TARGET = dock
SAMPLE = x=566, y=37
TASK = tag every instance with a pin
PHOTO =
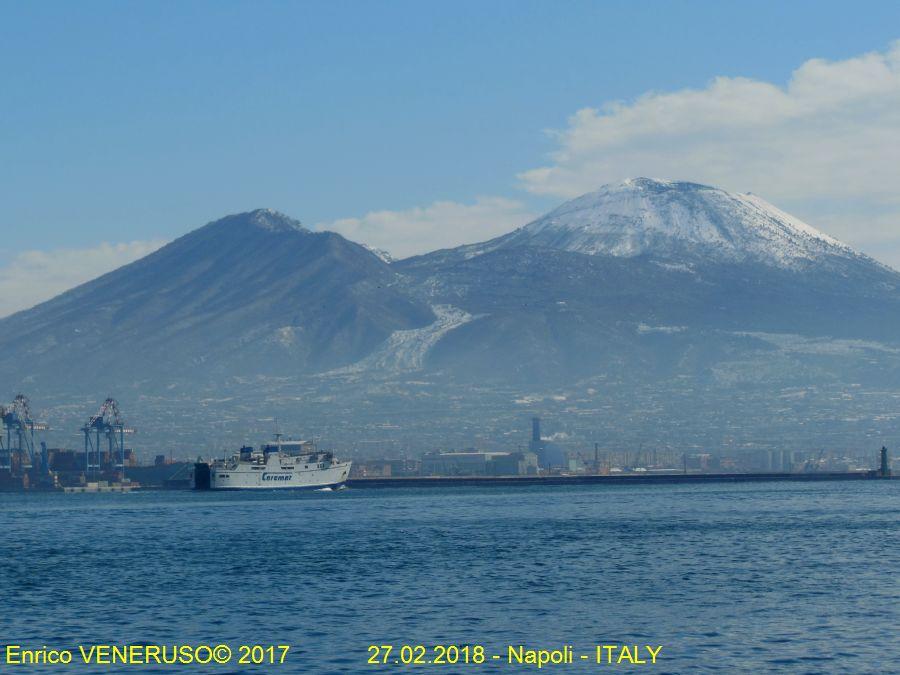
x=620, y=479
x=101, y=486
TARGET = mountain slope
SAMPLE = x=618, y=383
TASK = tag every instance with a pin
x=254, y=293
x=650, y=276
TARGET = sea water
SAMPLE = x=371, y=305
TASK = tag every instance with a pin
x=779, y=577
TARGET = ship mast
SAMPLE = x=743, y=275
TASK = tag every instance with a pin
x=277, y=435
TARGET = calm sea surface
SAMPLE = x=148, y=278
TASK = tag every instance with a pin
x=764, y=577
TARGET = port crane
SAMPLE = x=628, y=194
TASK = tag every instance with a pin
x=108, y=423
x=17, y=440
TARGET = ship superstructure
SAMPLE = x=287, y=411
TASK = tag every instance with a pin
x=277, y=465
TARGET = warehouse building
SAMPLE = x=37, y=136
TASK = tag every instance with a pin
x=474, y=463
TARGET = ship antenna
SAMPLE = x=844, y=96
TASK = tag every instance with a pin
x=277, y=435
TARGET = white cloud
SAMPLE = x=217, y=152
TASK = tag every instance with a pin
x=830, y=138
x=440, y=225
x=804, y=140
x=825, y=147
x=34, y=276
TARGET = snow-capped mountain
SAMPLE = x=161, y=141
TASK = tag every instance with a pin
x=664, y=219
x=648, y=271
x=665, y=288
x=676, y=221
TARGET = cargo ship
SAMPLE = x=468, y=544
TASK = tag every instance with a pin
x=282, y=464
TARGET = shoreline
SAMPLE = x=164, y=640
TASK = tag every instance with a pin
x=376, y=483
x=628, y=479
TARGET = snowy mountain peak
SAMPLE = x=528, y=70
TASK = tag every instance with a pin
x=670, y=219
x=274, y=221
x=268, y=220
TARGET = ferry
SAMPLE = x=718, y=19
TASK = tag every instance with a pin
x=283, y=464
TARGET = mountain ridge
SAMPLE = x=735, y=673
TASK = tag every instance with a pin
x=255, y=278
x=260, y=312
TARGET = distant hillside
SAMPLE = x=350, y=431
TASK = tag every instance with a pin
x=248, y=294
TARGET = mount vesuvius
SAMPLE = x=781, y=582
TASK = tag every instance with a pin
x=643, y=283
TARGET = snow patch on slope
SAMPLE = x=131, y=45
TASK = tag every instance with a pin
x=793, y=343
x=273, y=221
x=286, y=336
x=644, y=329
x=407, y=349
x=380, y=252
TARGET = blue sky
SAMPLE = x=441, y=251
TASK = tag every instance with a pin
x=131, y=123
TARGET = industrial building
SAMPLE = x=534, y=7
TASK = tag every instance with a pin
x=474, y=463
x=550, y=456
x=386, y=468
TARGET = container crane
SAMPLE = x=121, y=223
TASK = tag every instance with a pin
x=107, y=422
x=17, y=440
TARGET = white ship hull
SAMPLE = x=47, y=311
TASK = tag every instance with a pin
x=248, y=477
x=283, y=465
